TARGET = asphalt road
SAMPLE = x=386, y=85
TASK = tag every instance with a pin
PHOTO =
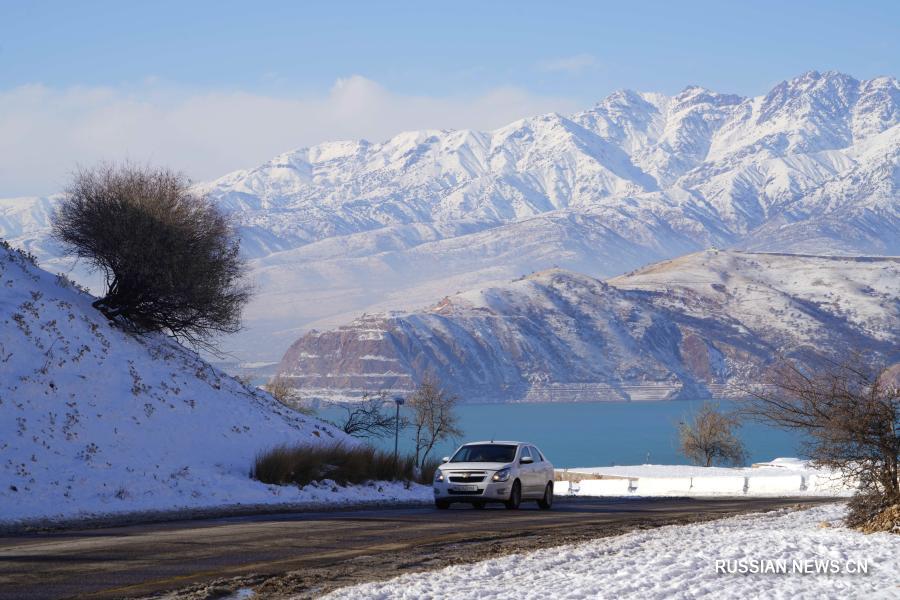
x=311, y=553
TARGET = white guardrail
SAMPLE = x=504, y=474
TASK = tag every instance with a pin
x=718, y=485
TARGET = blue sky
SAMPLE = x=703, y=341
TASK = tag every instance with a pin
x=161, y=81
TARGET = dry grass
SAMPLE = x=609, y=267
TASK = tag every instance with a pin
x=886, y=520
x=870, y=512
x=426, y=476
x=303, y=464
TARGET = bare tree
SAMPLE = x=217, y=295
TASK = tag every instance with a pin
x=434, y=417
x=850, y=413
x=710, y=438
x=280, y=388
x=170, y=258
x=367, y=418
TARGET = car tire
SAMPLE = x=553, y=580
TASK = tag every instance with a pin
x=515, y=496
x=546, y=502
x=441, y=504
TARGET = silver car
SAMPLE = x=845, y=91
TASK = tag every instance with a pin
x=482, y=472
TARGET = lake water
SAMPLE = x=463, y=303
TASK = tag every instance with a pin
x=583, y=434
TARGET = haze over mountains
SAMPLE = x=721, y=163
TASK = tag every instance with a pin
x=346, y=227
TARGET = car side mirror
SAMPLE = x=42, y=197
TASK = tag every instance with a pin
x=445, y=459
x=526, y=460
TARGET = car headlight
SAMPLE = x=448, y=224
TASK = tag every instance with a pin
x=438, y=476
x=501, y=475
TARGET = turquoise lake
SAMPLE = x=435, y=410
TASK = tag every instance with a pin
x=596, y=433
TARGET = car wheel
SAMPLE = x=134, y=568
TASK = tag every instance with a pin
x=478, y=505
x=441, y=504
x=546, y=503
x=515, y=496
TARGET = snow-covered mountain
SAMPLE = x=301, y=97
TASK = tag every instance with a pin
x=95, y=421
x=701, y=325
x=340, y=228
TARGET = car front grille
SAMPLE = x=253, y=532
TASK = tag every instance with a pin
x=467, y=478
x=465, y=493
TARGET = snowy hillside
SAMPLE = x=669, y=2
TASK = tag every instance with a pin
x=700, y=325
x=812, y=166
x=95, y=421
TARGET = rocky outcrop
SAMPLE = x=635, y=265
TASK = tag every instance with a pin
x=699, y=326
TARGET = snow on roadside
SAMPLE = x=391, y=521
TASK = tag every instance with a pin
x=773, y=467
x=779, y=477
x=223, y=492
x=679, y=562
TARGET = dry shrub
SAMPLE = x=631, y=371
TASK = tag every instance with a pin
x=171, y=259
x=280, y=388
x=850, y=413
x=886, y=520
x=303, y=464
x=426, y=471
x=871, y=512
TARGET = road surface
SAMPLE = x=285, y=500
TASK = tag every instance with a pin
x=311, y=553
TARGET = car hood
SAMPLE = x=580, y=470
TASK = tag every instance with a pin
x=473, y=466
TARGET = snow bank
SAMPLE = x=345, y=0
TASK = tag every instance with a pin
x=780, y=477
x=678, y=562
x=663, y=486
x=767, y=485
x=94, y=421
x=729, y=485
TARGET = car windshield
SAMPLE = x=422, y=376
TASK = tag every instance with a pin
x=499, y=453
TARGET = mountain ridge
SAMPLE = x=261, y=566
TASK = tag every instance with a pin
x=340, y=228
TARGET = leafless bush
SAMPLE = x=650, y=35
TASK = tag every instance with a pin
x=434, y=417
x=850, y=413
x=368, y=418
x=709, y=438
x=281, y=389
x=170, y=259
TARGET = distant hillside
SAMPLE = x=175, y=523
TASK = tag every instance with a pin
x=811, y=166
x=93, y=420
x=698, y=326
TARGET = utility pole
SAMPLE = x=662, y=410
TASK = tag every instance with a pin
x=399, y=402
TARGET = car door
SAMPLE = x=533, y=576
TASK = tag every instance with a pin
x=526, y=472
x=543, y=471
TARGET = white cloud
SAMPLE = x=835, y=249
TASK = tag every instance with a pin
x=47, y=132
x=569, y=64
